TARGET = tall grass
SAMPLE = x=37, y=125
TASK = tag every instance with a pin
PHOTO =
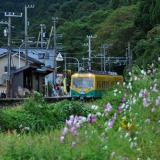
x=123, y=125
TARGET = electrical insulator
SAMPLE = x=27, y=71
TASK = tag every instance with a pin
x=5, y=32
x=44, y=34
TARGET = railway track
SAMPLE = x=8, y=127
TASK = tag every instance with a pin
x=5, y=102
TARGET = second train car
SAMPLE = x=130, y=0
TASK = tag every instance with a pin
x=92, y=84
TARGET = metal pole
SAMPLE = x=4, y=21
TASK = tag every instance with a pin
x=129, y=55
x=89, y=45
x=65, y=65
x=26, y=37
x=55, y=51
x=104, y=52
x=42, y=36
x=48, y=44
x=42, y=25
x=101, y=59
x=26, y=33
x=89, y=58
x=9, y=58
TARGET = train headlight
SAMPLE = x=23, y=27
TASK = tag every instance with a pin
x=82, y=91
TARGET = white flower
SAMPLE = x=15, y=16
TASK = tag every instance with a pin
x=119, y=129
x=134, y=138
x=127, y=134
x=26, y=128
x=135, y=78
x=129, y=73
x=123, y=117
x=84, y=119
x=94, y=107
x=115, y=90
x=118, y=83
x=98, y=114
x=115, y=94
x=105, y=147
x=124, y=83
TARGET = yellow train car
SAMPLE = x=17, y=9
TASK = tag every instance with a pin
x=92, y=84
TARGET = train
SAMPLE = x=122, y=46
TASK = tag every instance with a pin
x=92, y=84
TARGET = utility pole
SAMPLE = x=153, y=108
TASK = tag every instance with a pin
x=129, y=55
x=65, y=74
x=55, y=19
x=26, y=33
x=104, y=46
x=89, y=50
x=42, y=26
x=9, y=15
x=102, y=62
x=50, y=35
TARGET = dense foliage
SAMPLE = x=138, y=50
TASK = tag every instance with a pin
x=37, y=116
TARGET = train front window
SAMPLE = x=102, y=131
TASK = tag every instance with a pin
x=82, y=83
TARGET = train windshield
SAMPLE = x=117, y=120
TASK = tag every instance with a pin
x=82, y=83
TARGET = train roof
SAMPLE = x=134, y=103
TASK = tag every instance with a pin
x=98, y=72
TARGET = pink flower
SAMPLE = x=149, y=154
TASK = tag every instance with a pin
x=158, y=59
x=88, y=119
x=145, y=94
x=110, y=123
x=120, y=110
x=123, y=100
x=146, y=102
x=71, y=117
x=157, y=102
x=73, y=128
x=69, y=122
x=65, y=130
x=152, y=110
x=74, y=144
x=158, y=121
x=93, y=116
x=62, y=139
x=112, y=154
x=93, y=120
x=149, y=71
x=108, y=107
